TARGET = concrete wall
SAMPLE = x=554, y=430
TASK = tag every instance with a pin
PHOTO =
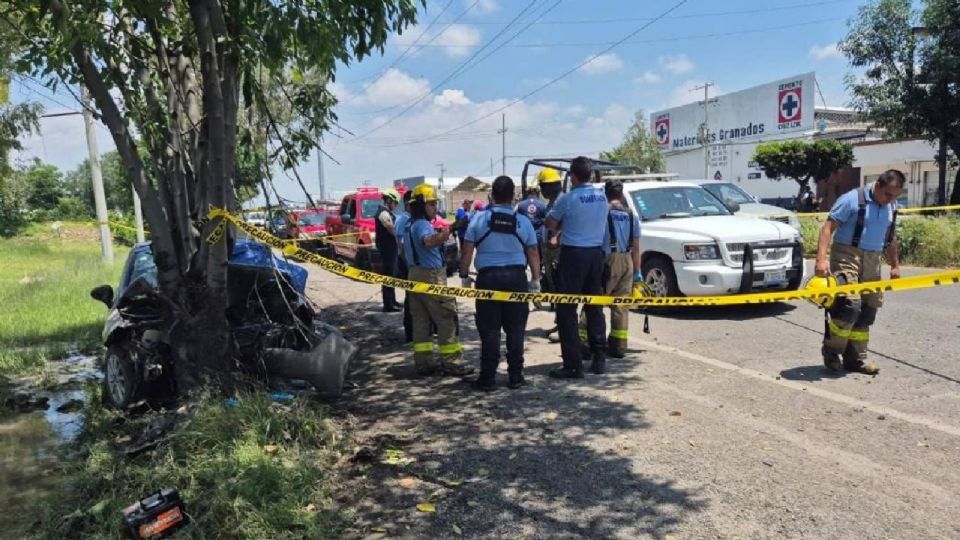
x=916, y=158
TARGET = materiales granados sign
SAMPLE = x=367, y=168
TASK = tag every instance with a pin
x=769, y=111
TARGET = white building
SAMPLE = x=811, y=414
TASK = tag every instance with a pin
x=737, y=122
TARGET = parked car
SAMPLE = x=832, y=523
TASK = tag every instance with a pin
x=355, y=231
x=272, y=324
x=256, y=218
x=693, y=245
x=743, y=204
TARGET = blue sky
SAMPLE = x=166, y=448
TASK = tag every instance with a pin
x=733, y=43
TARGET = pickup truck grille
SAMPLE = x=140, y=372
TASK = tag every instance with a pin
x=761, y=256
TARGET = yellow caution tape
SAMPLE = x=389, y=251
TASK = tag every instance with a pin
x=903, y=284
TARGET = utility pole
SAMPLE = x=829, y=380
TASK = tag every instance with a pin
x=442, y=171
x=99, y=199
x=491, y=166
x=138, y=216
x=323, y=194
x=706, y=126
x=503, y=151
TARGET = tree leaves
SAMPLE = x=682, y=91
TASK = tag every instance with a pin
x=638, y=148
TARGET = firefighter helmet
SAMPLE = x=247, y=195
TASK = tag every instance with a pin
x=821, y=287
x=424, y=192
x=391, y=194
x=548, y=176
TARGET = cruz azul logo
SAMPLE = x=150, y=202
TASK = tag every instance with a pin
x=789, y=105
x=661, y=129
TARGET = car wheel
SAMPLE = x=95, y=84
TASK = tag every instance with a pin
x=795, y=283
x=660, y=277
x=120, y=379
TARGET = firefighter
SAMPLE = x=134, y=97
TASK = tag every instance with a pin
x=422, y=251
x=403, y=216
x=386, y=242
x=505, y=243
x=548, y=181
x=581, y=215
x=622, y=266
x=862, y=224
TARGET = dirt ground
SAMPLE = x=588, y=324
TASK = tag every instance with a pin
x=720, y=424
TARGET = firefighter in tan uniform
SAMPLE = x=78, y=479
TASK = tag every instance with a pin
x=422, y=250
x=862, y=224
x=622, y=266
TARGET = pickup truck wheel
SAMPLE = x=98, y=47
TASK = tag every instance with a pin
x=660, y=277
x=120, y=378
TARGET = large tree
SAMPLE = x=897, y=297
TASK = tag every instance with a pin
x=175, y=78
x=910, y=62
x=638, y=148
x=802, y=161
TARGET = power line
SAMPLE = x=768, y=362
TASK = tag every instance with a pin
x=557, y=79
x=448, y=77
x=688, y=16
x=406, y=51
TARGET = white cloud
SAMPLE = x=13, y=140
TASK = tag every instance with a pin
x=394, y=88
x=678, y=64
x=458, y=39
x=824, y=52
x=451, y=98
x=648, y=77
x=484, y=7
x=604, y=63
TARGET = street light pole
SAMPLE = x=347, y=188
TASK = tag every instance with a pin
x=99, y=198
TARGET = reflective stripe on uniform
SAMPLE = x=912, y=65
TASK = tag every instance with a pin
x=450, y=348
x=839, y=332
x=618, y=333
x=583, y=334
x=426, y=346
x=859, y=335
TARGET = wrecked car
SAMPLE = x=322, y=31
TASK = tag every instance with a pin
x=277, y=333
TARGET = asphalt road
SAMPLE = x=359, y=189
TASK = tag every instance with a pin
x=720, y=424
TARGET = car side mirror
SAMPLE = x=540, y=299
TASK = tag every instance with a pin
x=732, y=206
x=346, y=219
x=103, y=293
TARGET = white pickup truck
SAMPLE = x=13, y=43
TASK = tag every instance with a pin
x=693, y=245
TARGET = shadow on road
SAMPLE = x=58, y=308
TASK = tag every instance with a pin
x=746, y=312
x=541, y=461
x=810, y=373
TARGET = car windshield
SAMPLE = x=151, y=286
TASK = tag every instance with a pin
x=307, y=220
x=729, y=193
x=677, y=202
x=368, y=207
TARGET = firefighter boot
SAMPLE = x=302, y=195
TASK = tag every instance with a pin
x=831, y=359
x=855, y=361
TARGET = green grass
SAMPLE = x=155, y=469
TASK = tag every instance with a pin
x=45, y=281
x=924, y=241
x=254, y=470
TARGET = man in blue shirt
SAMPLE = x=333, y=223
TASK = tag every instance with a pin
x=403, y=216
x=622, y=266
x=535, y=210
x=580, y=215
x=862, y=224
x=462, y=219
x=505, y=245
x=422, y=249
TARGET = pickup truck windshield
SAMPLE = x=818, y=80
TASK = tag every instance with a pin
x=728, y=192
x=368, y=208
x=676, y=202
x=307, y=220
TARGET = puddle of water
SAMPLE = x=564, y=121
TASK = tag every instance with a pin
x=29, y=443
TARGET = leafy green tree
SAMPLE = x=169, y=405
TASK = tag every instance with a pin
x=116, y=184
x=802, y=161
x=638, y=148
x=45, y=185
x=910, y=62
x=186, y=73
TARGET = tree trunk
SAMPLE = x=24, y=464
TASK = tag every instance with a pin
x=955, y=196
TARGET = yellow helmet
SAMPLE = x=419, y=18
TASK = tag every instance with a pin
x=821, y=285
x=425, y=192
x=391, y=194
x=548, y=176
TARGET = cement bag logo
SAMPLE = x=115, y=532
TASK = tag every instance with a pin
x=789, y=105
x=661, y=129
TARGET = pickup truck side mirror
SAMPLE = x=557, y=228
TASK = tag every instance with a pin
x=103, y=293
x=346, y=219
x=732, y=206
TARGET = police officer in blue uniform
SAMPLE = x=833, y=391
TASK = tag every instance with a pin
x=506, y=244
x=535, y=210
x=581, y=216
x=403, y=216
